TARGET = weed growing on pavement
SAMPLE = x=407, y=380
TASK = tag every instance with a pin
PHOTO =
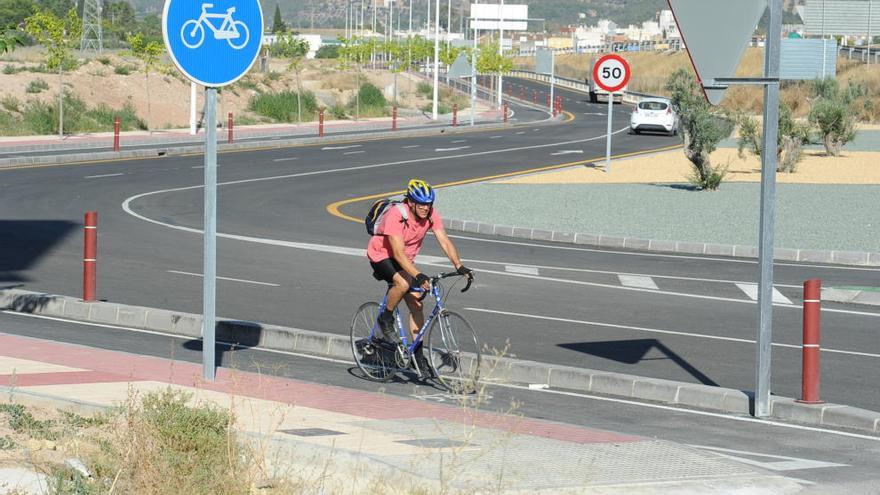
x=22, y=421
x=6, y=443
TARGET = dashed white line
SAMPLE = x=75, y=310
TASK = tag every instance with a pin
x=459, y=141
x=495, y=137
x=102, y=175
x=451, y=149
x=637, y=281
x=751, y=290
x=353, y=152
x=521, y=132
x=329, y=148
x=224, y=278
x=529, y=270
x=286, y=159
x=411, y=146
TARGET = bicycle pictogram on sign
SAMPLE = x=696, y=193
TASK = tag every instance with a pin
x=234, y=32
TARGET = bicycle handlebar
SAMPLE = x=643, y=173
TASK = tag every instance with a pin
x=437, y=278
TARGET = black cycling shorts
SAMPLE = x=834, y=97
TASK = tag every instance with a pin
x=385, y=269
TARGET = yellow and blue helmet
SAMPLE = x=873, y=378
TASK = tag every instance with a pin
x=420, y=191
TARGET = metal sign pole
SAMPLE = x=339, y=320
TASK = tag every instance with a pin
x=210, y=236
x=608, y=143
x=768, y=197
x=474, y=78
x=552, y=79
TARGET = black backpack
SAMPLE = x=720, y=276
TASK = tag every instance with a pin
x=374, y=217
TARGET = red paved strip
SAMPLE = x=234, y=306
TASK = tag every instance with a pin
x=286, y=390
x=60, y=378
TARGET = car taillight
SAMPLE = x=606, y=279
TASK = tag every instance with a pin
x=636, y=109
x=668, y=110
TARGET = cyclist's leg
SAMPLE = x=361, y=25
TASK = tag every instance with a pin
x=416, y=312
x=389, y=271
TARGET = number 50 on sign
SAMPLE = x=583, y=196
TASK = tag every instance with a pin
x=610, y=73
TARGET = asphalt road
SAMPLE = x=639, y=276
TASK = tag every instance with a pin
x=293, y=263
x=823, y=461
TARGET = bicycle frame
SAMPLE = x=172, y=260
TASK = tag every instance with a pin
x=404, y=334
x=226, y=26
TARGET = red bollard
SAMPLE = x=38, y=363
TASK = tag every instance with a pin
x=394, y=119
x=90, y=256
x=116, y=125
x=535, y=96
x=548, y=101
x=510, y=91
x=812, y=308
x=505, y=112
x=229, y=128
x=321, y=123
x=522, y=93
x=455, y=115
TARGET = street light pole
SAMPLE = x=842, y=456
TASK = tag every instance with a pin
x=500, y=51
x=436, y=57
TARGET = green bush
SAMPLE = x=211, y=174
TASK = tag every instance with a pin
x=338, y=112
x=103, y=60
x=123, y=70
x=36, y=86
x=248, y=83
x=328, y=51
x=273, y=75
x=282, y=106
x=372, y=102
x=442, y=107
x=39, y=117
x=834, y=113
x=9, y=69
x=425, y=89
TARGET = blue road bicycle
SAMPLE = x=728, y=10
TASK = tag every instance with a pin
x=451, y=344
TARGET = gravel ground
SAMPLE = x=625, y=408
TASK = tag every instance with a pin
x=809, y=216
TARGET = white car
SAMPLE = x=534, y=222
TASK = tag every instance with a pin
x=654, y=115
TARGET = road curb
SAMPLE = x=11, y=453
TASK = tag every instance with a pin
x=858, y=258
x=502, y=369
x=161, y=150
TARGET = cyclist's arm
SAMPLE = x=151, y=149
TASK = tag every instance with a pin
x=399, y=254
x=447, y=246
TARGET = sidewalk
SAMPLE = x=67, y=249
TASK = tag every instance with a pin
x=362, y=438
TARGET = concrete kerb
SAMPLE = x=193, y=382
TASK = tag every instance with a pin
x=661, y=245
x=164, y=150
x=495, y=368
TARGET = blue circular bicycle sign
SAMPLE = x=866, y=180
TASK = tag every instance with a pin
x=213, y=44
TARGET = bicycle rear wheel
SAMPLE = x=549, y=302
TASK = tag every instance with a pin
x=375, y=362
x=454, y=352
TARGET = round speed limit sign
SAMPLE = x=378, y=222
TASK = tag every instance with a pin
x=611, y=73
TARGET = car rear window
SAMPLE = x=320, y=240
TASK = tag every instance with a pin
x=652, y=105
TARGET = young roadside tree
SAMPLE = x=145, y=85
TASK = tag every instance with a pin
x=294, y=49
x=9, y=40
x=789, y=143
x=148, y=52
x=59, y=35
x=701, y=129
x=489, y=61
x=833, y=113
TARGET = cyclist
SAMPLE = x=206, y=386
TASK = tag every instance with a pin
x=391, y=253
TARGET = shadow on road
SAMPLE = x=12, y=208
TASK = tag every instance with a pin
x=24, y=242
x=230, y=336
x=634, y=351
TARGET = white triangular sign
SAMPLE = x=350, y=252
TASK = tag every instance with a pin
x=716, y=34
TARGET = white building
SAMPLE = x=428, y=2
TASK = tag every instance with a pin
x=668, y=25
x=314, y=41
x=607, y=27
x=586, y=38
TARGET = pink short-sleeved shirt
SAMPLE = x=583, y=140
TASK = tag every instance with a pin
x=413, y=232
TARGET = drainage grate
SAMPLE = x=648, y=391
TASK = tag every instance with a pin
x=312, y=432
x=433, y=443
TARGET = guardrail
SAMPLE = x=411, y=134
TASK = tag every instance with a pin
x=620, y=46
x=860, y=53
x=628, y=97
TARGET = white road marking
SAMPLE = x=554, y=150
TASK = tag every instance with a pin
x=353, y=152
x=637, y=281
x=594, y=113
x=660, y=255
x=102, y=175
x=459, y=141
x=521, y=132
x=567, y=152
x=224, y=278
x=778, y=462
x=286, y=159
x=495, y=137
x=751, y=290
x=529, y=270
x=661, y=331
x=535, y=130
x=411, y=146
x=451, y=149
x=329, y=148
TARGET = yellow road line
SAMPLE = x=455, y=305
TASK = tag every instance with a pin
x=334, y=208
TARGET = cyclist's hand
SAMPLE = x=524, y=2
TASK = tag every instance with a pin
x=423, y=281
x=463, y=270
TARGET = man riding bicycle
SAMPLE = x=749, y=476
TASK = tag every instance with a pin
x=394, y=247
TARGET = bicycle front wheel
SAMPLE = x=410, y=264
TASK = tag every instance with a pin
x=375, y=362
x=192, y=34
x=454, y=352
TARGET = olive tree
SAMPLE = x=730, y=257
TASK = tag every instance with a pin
x=701, y=128
x=59, y=35
x=832, y=112
x=791, y=137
